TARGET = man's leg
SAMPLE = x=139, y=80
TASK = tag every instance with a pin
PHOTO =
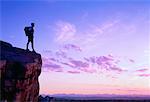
x=32, y=45
x=27, y=45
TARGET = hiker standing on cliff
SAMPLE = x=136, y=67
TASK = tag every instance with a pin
x=29, y=31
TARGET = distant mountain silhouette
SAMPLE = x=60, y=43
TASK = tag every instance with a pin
x=20, y=70
x=94, y=98
x=46, y=99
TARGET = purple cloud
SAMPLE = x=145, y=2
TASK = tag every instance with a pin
x=117, y=69
x=92, y=59
x=99, y=60
x=82, y=66
x=61, y=53
x=131, y=60
x=67, y=64
x=64, y=31
x=142, y=70
x=88, y=70
x=89, y=65
x=72, y=46
x=46, y=59
x=144, y=75
x=103, y=59
x=79, y=64
x=50, y=66
x=86, y=59
x=74, y=72
x=105, y=62
x=53, y=59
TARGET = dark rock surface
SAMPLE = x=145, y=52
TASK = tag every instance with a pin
x=19, y=72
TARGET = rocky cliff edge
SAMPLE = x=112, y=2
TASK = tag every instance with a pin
x=19, y=72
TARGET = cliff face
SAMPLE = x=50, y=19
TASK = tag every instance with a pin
x=19, y=72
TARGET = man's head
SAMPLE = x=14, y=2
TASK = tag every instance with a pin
x=32, y=24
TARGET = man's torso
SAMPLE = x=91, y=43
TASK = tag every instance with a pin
x=31, y=31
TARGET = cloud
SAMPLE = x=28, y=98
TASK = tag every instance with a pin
x=131, y=60
x=142, y=70
x=83, y=66
x=67, y=64
x=99, y=59
x=53, y=59
x=91, y=64
x=79, y=64
x=88, y=70
x=85, y=36
x=100, y=29
x=72, y=46
x=65, y=31
x=105, y=62
x=61, y=53
x=49, y=64
x=115, y=68
x=49, y=59
x=109, y=24
x=144, y=75
x=74, y=72
x=53, y=67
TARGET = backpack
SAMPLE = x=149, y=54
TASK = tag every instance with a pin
x=27, y=31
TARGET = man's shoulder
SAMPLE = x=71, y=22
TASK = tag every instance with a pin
x=28, y=27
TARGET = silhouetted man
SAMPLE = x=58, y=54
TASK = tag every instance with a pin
x=29, y=31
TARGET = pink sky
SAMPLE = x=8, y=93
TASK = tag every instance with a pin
x=91, y=47
x=104, y=58
x=109, y=57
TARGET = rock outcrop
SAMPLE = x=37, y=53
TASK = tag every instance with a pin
x=19, y=72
